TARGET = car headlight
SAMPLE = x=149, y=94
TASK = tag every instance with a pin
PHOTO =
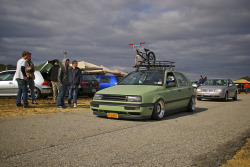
x=199, y=90
x=218, y=90
x=134, y=98
x=97, y=97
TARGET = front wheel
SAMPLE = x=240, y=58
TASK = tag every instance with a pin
x=159, y=110
x=191, y=104
x=235, y=96
x=225, y=97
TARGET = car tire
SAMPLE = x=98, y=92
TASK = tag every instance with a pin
x=198, y=98
x=225, y=97
x=159, y=110
x=235, y=96
x=191, y=104
x=37, y=93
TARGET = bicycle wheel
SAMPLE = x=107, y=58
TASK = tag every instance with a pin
x=151, y=57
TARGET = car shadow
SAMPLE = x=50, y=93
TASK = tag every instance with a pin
x=219, y=101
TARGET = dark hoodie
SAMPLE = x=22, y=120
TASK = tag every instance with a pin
x=53, y=73
x=63, y=74
x=75, y=77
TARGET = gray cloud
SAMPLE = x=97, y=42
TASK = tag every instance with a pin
x=203, y=37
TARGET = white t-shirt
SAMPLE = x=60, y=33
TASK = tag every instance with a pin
x=19, y=73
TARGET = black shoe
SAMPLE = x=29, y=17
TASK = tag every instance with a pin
x=26, y=106
x=19, y=105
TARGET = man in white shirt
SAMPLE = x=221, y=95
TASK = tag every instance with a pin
x=21, y=78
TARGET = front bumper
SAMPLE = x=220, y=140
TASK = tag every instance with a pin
x=210, y=95
x=124, y=110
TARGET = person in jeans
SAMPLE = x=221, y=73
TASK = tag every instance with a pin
x=21, y=79
x=75, y=80
x=63, y=82
x=53, y=73
x=246, y=86
x=30, y=77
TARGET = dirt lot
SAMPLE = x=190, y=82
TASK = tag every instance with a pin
x=9, y=109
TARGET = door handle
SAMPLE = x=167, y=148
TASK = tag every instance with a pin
x=10, y=82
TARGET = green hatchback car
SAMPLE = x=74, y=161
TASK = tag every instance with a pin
x=149, y=93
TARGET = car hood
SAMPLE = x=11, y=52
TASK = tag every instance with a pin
x=129, y=89
x=212, y=87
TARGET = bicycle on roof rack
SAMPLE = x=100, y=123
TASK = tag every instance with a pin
x=143, y=57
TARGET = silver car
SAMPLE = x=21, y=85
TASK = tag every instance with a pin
x=217, y=89
x=9, y=87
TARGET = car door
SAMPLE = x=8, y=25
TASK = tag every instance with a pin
x=231, y=88
x=173, y=94
x=184, y=89
x=7, y=83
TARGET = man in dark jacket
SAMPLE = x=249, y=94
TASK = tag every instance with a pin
x=75, y=79
x=63, y=82
x=53, y=73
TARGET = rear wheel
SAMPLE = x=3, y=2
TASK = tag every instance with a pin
x=151, y=57
x=159, y=110
x=235, y=96
x=36, y=92
x=191, y=104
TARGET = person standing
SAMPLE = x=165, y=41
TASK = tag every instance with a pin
x=201, y=80
x=75, y=80
x=21, y=79
x=30, y=77
x=53, y=73
x=63, y=82
x=246, y=86
x=239, y=88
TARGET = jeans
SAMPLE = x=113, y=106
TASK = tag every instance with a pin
x=72, y=91
x=246, y=90
x=22, y=92
x=31, y=85
x=62, y=92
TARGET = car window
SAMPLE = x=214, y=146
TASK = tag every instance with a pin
x=7, y=76
x=47, y=67
x=89, y=77
x=181, y=79
x=231, y=82
x=171, y=81
x=143, y=78
x=118, y=78
x=216, y=82
x=105, y=79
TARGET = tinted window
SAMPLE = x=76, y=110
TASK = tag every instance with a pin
x=181, y=79
x=89, y=77
x=214, y=82
x=7, y=76
x=105, y=79
x=118, y=78
x=143, y=78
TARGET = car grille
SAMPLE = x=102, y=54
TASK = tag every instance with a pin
x=114, y=97
x=207, y=90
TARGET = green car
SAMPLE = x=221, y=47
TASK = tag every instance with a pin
x=149, y=93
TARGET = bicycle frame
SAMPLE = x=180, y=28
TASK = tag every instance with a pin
x=136, y=48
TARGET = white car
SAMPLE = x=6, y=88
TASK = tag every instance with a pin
x=9, y=86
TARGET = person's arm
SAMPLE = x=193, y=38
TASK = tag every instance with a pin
x=80, y=75
x=23, y=71
x=59, y=77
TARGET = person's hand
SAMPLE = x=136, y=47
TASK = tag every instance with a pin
x=25, y=78
x=79, y=86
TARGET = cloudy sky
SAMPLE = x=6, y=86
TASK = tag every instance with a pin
x=208, y=37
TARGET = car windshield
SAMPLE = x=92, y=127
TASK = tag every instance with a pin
x=143, y=78
x=89, y=77
x=216, y=82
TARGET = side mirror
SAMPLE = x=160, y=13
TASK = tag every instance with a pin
x=171, y=84
x=194, y=85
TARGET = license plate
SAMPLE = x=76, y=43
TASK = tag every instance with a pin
x=93, y=90
x=112, y=115
x=207, y=94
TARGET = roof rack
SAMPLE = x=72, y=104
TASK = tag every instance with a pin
x=155, y=65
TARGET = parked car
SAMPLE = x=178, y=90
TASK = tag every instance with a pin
x=217, y=89
x=90, y=85
x=9, y=86
x=150, y=93
x=108, y=80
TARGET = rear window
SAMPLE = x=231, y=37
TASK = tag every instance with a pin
x=89, y=77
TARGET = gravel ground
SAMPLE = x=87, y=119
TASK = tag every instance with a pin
x=207, y=137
